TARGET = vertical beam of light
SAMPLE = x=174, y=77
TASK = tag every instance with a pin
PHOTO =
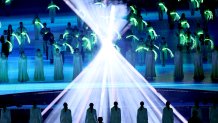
x=109, y=77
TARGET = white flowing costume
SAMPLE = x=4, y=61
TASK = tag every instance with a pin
x=213, y=115
x=39, y=70
x=22, y=67
x=142, y=115
x=214, y=74
x=91, y=117
x=178, y=61
x=5, y=116
x=58, y=67
x=4, y=69
x=66, y=116
x=167, y=115
x=35, y=115
x=150, y=64
x=77, y=64
x=198, y=65
x=115, y=115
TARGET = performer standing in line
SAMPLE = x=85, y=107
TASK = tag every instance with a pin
x=142, y=115
x=22, y=32
x=35, y=114
x=22, y=68
x=36, y=24
x=115, y=114
x=39, y=69
x=65, y=114
x=3, y=68
x=58, y=66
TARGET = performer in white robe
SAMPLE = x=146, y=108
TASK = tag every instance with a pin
x=213, y=113
x=91, y=115
x=21, y=32
x=115, y=114
x=77, y=63
x=197, y=108
x=167, y=114
x=5, y=115
x=58, y=66
x=52, y=12
x=4, y=68
x=142, y=115
x=178, y=61
x=22, y=68
x=214, y=74
x=39, y=69
x=150, y=65
x=35, y=114
x=198, y=65
x=130, y=57
x=66, y=116
x=36, y=27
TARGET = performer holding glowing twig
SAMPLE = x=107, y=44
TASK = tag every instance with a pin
x=52, y=11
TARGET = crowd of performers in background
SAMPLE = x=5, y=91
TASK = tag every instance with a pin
x=140, y=44
x=115, y=114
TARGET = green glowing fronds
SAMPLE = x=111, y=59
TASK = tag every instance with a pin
x=133, y=9
x=10, y=46
x=156, y=46
x=65, y=34
x=211, y=42
x=101, y=4
x=146, y=24
x=185, y=24
x=208, y=14
x=95, y=38
x=37, y=22
x=88, y=44
x=141, y=48
x=53, y=6
x=134, y=21
x=167, y=49
x=183, y=38
x=201, y=32
x=77, y=35
x=56, y=46
x=18, y=40
x=152, y=33
x=194, y=44
x=155, y=55
x=132, y=36
x=163, y=7
x=175, y=16
x=117, y=48
x=70, y=47
x=28, y=38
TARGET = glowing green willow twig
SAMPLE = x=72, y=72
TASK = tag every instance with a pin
x=141, y=48
x=156, y=46
x=171, y=53
x=133, y=9
x=28, y=38
x=194, y=43
x=185, y=24
x=163, y=7
x=183, y=38
x=101, y=4
x=65, y=34
x=211, y=42
x=152, y=33
x=175, y=16
x=56, y=46
x=53, y=6
x=10, y=46
x=132, y=36
x=37, y=22
x=18, y=40
x=208, y=14
x=146, y=24
x=134, y=21
x=70, y=47
x=155, y=55
x=95, y=38
x=88, y=43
